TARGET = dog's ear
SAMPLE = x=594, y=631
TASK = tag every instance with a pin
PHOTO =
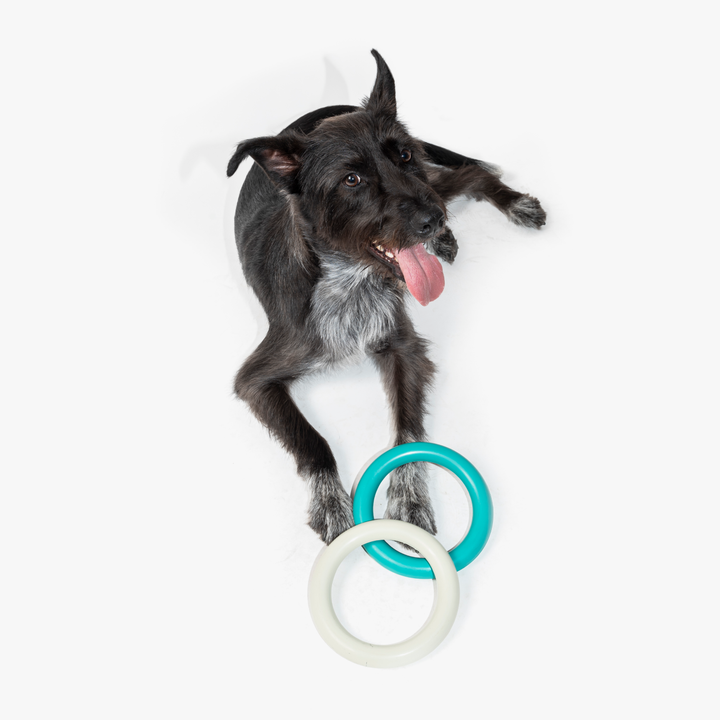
x=382, y=97
x=278, y=155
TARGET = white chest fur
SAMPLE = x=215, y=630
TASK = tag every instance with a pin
x=353, y=308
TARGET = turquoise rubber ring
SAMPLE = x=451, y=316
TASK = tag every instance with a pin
x=482, y=511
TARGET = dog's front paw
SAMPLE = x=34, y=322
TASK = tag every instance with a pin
x=445, y=246
x=527, y=211
x=408, y=498
x=331, y=515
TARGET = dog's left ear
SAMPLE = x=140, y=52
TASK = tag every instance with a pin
x=382, y=97
x=279, y=156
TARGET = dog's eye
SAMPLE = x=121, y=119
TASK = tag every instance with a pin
x=352, y=180
x=406, y=156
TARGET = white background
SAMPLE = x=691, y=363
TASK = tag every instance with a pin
x=153, y=549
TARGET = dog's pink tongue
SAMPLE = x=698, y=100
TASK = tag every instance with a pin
x=423, y=273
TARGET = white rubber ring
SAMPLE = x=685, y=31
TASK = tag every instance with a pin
x=425, y=640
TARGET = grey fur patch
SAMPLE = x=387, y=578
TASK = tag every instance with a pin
x=526, y=211
x=352, y=308
x=330, y=512
x=445, y=246
x=408, y=498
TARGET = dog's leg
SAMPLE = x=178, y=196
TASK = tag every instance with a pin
x=445, y=245
x=447, y=158
x=455, y=175
x=407, y=374
x=263, y=383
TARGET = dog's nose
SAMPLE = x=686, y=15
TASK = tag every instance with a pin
x=427, y=222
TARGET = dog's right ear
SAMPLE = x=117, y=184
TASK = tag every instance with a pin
x=382, y=98
x=278, y=155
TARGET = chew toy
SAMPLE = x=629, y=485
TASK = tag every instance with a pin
x=436, y=564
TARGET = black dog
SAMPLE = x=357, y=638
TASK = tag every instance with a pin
x=333, y=226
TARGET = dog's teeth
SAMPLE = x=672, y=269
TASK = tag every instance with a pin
x=389, y=254
x=380, y=247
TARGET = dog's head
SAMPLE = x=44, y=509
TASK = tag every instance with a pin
x=359, y=182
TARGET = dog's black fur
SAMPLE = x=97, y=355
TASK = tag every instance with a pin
x=322, y=196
